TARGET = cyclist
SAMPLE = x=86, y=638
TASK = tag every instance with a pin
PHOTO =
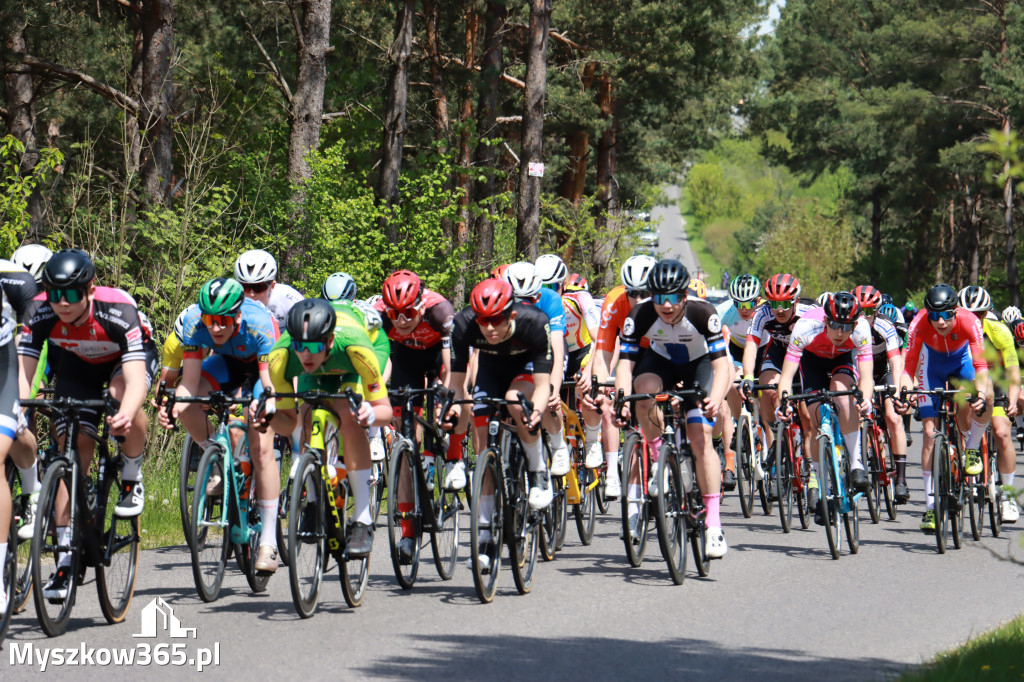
x=102, y=339
x=908, y=311
x=699, y=288
x=513, y=342
x=999, y=343
x=945, y=343
x=256, y=271
x=552, y=272
x=17, y=289
x=32, y=257
x=888, y=365
x=616, y=307
x=419, y=323
x=1011, y=314
x=240, y=333
x=331, y=351
x=685, y=346
x=825, y=345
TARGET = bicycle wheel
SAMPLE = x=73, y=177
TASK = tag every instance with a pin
x=561, y=512
x=22, y=577
x=586, y=511
x=698, y=531
x=851, y=519
x=669, y=507
x=801, y=497
x=403, y=483
x=632, y=473
x=887, y=461
x=190, y=456
x=307, y=537
x=825, y=450
x=957, y=499
x=354, y=573
x=744, y=465
x=210, y=531
x=603, y=503
x=487, y=469
x=940, y=488
x=975, y=506
x=444, y=541
x=872, y=467
x=548, y=529
x=115, y=575
x=522, y=534
x=995, y=501
x=784, y=483
x=8, y=569
x=283, y=460
x=53, y=614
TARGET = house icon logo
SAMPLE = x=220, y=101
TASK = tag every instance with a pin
x=159, y=616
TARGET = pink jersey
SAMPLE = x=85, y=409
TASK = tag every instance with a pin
x=966, y=330
x=809, y=336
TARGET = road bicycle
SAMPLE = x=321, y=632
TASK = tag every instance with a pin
x=982, y=490
x=879, y=463
x=792, y=475
x=751, y=455
x=98, y=538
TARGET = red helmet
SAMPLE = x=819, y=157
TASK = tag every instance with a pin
x=867, y=296
x=402, y=290
x=577, y=282
x=491, y=297
x=1018, y=331
x=842, y=308
x=782, y=287
x=499, y=271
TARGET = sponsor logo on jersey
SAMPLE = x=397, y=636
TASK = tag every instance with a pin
x=628, y=327
x=714, y=324
x=373, y=388
x=134, y=336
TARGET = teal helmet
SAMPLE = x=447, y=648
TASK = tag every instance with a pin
x=221, y=296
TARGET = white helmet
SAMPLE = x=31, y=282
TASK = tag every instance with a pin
x=370, y=314
x=255, y=267
x=339, y=285
x=823, y=298
x=635, y=270
x=1010, y=314
x=179, y=324
x=551, y=269
x=975, y=299
x=524, y=279
x=372, y=301
x=32, y=257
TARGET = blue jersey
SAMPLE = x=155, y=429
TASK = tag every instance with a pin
x=550, y=304
x=252, y=340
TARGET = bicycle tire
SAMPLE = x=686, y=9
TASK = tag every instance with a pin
x=561, y=512
x=851, y=519
x=488, y=466
x=210, y=536
x=307, y=536
x=744, y=466
x=825, y=449
x=186, y=486
x=444, y=540
x=995, y=501
x=603, y=503
x=548, y=527
x=801, y=497
x=784, y=482
x=585, y=512
x=958, y=499
x=523, y=531
x=698, y=531
x=115, y=577
x=22, y=578
x=44, y=554
x=975, y=507
x=632, y=452
x=354, y=574
x=9, y=569
x=939, y=490
x=872, y=467
x=669, y=510
x=888, y=463
x=283, y=501
x=403, y=477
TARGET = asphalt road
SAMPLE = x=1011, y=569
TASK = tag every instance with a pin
x=672, y=225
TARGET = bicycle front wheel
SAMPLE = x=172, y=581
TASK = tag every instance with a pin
x=354, y=573
x=8, y=568
x=940, y=490
x=994, y=493
x=744, y=465
x=22, y=577
x=444, y=541
x=784, y=481
x=189, y=463
x=210, y=532
x=957, y=497
x=307, y=538
x=669, y=509
x=53, y=613
x=825, y=449
x=485, y=557
x=115, y=575
x=872, y=466
x=851, y=519
x=633, y=500
x=586, y=511
x=404, y=518
x=522, y=534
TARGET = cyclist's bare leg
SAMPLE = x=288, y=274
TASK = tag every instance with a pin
x=769, y=401
x=194, y=417
x=1007, y=455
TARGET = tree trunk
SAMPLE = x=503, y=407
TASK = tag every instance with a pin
x=394, y=114
x=487, y=113
x=155, y=113
x=314, y=44
x=465, y=152
x=19, y=92
x=528, y=214
x=607, y=205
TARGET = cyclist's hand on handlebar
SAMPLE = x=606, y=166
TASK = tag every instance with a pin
x=746, y=387
x=1013, y=409
x=583, y=383
x=364, y=415
x=710, y=409
x=534, y=420
x=554, y=400
x=979, y=403
x=784, y=412
x=864, y=406
x=622, y=416
x=120, y=423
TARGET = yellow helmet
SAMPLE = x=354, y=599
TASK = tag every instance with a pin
x=699, y=288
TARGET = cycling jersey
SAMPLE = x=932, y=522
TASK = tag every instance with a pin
x=364, y=315
x=173, y=350
x=764, y=322
x=736, y=325
x=885, y=343
x=17, y=289
x=435, y=327
x=999, y=337
x=252, y=340
x=698, y=333
x=966, y=334
x=551, y=303
x=282, y=298
x=112, y=331
x=614, y=311
x=529, y=340
x=808, y=335
x=351, y=360
x=580, y=316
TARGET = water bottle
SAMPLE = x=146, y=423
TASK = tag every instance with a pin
x=686, y=473
x=428, y=468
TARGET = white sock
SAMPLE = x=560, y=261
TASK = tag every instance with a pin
x=974, y=435
x=853, y=445
x=484, y=512
x=132, y=468
x=535, y=456
x=29, y=480
x=612, y=458
x=634, y=491
x=591, y=433
x=1007, y=479
x=929, y=497
x=360, y=482
x=373, y=432
x=268, y=521
x=63, y=538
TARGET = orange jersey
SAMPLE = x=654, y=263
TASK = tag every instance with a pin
x=614, y=312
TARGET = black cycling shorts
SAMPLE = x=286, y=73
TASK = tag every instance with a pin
x=697, y=373
x=493, y=379
x=414, y=368
x=816, y=371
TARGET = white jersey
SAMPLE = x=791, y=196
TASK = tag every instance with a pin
x=282, y=298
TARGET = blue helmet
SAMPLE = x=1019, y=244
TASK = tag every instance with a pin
x=890, y=312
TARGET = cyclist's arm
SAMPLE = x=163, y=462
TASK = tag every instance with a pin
x=191, y=373
x=457, y=382
x=750, y=355
x=27, y=371
x=789, y=368
x=866, y=368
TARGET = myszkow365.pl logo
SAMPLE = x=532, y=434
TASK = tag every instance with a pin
x=158, y=620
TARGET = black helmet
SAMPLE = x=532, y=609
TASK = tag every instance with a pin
x=886, y=298
x=940, y=298
x=312, y=319
x=69, y=269
x=843, y=308
x=668, y=276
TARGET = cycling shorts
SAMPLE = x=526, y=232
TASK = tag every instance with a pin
x=934, y=369
x=774, y=355
x=816, y=371
x=574, y=361
x=9, y=406
x=493, y=380
x=229, y=374
x=690, y=375
x=414, y=367
x=737, y=357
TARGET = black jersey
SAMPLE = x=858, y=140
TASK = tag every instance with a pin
x=530, y=340
x=17, y=289
x=697, y=334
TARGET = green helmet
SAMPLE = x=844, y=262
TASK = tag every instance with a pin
x=221, y=296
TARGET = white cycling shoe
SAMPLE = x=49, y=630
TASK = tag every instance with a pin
x=717, y=547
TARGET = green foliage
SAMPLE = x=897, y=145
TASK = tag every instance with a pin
x=709, y=193
x=993, y=655
x=16, y=188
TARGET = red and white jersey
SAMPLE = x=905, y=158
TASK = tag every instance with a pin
x=966, y=331
x=435, y=325
x=809, y=336
x=580, y=317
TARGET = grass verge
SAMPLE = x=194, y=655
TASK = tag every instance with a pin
x=994, y=655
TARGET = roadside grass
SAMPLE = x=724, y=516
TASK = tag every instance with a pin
x=994, y=655
x=161, y=517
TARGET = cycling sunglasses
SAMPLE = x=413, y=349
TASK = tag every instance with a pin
x=935, y=315
x=745, y=305
x=403, y=314
x=841, y=326
x=780, y=306
x=662, y=299
x=69, y=295
x=222, y=321
x=256, y=288
x=309, y=346
x=638, y=294
x=492, y=320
